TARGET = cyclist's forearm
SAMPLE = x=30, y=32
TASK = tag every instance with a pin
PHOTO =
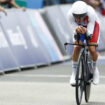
x=14, y=4
x=3, y=10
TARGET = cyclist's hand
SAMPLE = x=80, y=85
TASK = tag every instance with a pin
x=5, y=13
x=78, y=29
x=81, y=29
x=24, y=9
x=84, y=30
x=3, y=10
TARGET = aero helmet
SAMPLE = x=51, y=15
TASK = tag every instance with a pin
x=79, y=9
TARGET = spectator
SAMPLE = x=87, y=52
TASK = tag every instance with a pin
x=10, y=4
x=97, y=4
x=3, y=10
x=93, y=3
x=102, y=7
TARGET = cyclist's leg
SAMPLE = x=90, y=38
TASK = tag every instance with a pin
x=75, y=57
x=93, y=52
x=94, y=57
x=76, y=52
x=77, y=49
x=94, y=40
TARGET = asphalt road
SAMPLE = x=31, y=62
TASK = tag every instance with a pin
x=47, y=86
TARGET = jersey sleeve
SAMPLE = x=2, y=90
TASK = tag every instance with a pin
x=71, y=22
x=92, y=19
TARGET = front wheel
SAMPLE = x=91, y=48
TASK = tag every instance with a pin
x=79, y=82
x=89, y=76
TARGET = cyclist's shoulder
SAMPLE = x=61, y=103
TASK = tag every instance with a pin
x=91, y=11
x=92, y=15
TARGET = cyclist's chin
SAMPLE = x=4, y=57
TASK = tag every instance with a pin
x=78, y=22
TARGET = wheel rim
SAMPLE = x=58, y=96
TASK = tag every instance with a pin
x=80, y=90
x=87, y=91
x=89, y=77
x=79, y=85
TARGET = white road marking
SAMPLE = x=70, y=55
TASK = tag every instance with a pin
x=46, y=75
x=101, y=57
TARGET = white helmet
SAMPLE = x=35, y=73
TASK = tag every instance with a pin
x=79, y=8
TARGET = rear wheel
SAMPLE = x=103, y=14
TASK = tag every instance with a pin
x=87, y=91
x=79, y=82
x=89, y=76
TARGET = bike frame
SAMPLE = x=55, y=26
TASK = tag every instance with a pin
x=84, y=83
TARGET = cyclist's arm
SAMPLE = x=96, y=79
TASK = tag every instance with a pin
x=71, y=22
x=92, y=19
x=16, y=6
x=3, y=10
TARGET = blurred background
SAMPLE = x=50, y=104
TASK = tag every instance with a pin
x=34, y=64
x=33, y=32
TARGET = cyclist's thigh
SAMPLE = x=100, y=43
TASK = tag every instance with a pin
x=76, y=47
x=92, y=48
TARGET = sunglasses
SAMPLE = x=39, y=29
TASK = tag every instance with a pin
x=81, y=16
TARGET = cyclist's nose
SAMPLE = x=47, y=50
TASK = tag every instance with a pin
x=78, y=20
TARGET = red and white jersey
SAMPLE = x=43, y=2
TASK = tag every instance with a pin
x=91, y=21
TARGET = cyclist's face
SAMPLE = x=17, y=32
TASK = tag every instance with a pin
x=78, y=20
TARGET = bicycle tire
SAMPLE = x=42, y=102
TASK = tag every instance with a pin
x=87, y=91
x=79, y=82
x=88, y=84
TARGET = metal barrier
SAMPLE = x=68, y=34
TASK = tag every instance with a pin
x=58, y=26
x=33, y=38
x=26, y=41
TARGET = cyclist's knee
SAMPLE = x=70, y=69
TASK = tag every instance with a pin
x=77, y=49
x=76, y=53
x=92, y=49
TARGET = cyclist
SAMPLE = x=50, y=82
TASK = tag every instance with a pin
x=3, y=10
x=84, y=20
